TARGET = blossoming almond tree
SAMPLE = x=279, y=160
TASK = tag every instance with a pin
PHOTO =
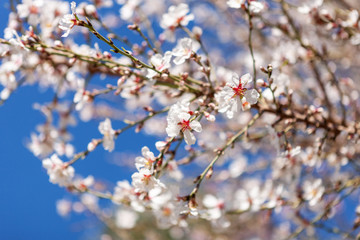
x=277, y=146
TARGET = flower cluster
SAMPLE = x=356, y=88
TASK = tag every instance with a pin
x=58, y=171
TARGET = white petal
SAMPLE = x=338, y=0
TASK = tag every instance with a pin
x=173, y=130
x=252, y=96
x=235, y=79
x=196, y=126
x=210, y=201
x=189, y=137
x=179, y=60
x=245, y=79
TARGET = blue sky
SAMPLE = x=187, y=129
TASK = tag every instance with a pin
x=27, y=199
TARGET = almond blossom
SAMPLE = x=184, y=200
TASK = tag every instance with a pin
x=81, y=98
x=128, y=9
x=30, y=9
x=125, y=219
x=179, y=120
x=313, y=191
x=308, y=6
x=82, y=184
x=160, y=63
x=214, y=205
x=145, y=181
x=184, y=49
x=68, y=21
x=255, y=7
x=59, y=172
x=252, y=198
x=63, y=207
x=235, y=3
x=123, y=192
x=146, y=161
x=176, y=16
x=215, y=211
x=168, y=214
x=105, y=128
x=235, y=95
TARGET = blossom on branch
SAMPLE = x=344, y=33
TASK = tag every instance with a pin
x=145, y=181
x=68, y=21
x=180, y=119
x=313, y=191
x=160, y=63
x=59, y=172
x=184, y=49
x=176, y=16
x=105, y=128
x=253, y=6
x=235, y=95
x=146, y=161
x=235, y=3
x=30, y=9
x=128, y=9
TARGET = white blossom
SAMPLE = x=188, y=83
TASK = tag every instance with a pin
x=352, y=20
x=123, y=192
x=160, y=63
x=310, y=5
x=215, y=211
x=313, y=191
x=146, y=161
x=105, y=128
x=237, y=167
x=145, y=181
x=68, y=21
x=179, y=120
x=59, y=172
x=214, y=206
x=177, y=15
x=81, y=98
x=30, y=9
x=235, y=3
x=127, y=10
x=184, y=49
x=63, y=207
x=90, y=201
x=125, y=219
x=235, y=95
x=256, y=7
x=84, y=183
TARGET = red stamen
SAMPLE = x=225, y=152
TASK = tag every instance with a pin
x=239, y=91
x=185, y=125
